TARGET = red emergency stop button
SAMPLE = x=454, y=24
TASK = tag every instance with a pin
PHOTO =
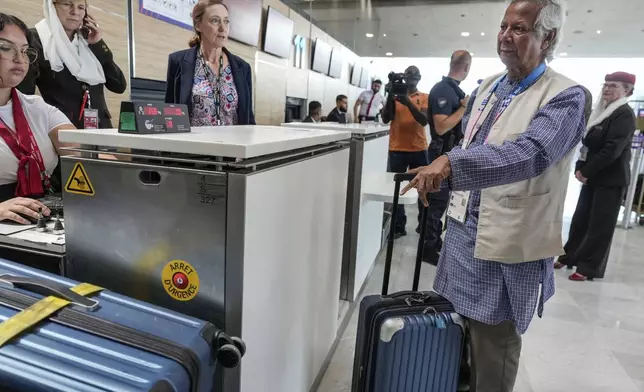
x=180, y=280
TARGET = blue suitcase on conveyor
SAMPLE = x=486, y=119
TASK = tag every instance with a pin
x=104, y=342
x=408, y=341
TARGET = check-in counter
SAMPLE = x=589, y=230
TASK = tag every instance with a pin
x=363, y=218
x=241, y=226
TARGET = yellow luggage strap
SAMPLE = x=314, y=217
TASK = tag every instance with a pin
x=41, y=310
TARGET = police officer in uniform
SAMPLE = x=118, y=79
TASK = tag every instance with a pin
x=447, y=103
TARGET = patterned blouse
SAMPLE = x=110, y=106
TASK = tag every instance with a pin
x=203, y=101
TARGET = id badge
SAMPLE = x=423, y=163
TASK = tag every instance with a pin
x=91, y=119
x=458, y=202
x=583, y=153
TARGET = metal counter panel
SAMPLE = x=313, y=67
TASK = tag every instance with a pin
x=122, y=237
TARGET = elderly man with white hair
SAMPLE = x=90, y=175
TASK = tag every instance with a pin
x=508, y=182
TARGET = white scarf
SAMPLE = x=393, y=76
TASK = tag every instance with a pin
x=60, y=51
x=601, y=112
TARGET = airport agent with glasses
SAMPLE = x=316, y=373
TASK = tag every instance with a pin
x=508, y=181
x=74, y=64
x=29, y=145
x=215, y=84
x=604, y=167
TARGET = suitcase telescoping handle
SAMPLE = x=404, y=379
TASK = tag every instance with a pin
x=47, y=287
x=398, y=178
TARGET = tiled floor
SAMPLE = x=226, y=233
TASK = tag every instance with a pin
x=590, y=339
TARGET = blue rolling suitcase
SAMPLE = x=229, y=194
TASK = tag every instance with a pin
x=408, y=341
x=94, y=340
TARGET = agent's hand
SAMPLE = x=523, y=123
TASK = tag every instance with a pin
x=580, y=177
x=465, y=101
x=404, y=99
x=10, y=209
x=95, y=33
x=429, y=178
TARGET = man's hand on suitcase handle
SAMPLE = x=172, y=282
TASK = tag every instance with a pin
x=429, y=178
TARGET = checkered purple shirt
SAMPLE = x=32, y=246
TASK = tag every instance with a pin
x=488, y=291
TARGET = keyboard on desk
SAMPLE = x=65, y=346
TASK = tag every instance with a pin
x=54, y=203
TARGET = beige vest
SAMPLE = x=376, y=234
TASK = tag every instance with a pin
x=522, y=221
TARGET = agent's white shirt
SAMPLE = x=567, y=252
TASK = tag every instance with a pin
x=377, y=103
x=42, y=119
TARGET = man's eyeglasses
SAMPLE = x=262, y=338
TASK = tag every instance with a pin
x=69, y=5
x=10, y=52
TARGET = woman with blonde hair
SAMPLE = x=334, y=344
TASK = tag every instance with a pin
x=215, y=84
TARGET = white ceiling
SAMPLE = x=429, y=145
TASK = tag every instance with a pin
x=435, y=30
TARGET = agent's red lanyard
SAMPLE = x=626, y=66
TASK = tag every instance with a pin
x=373, y=95
x=32, y=175
x=86, y=102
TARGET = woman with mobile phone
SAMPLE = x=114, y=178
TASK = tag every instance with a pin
x=73, y=65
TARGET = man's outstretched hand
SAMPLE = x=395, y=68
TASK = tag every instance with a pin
x=429, y=178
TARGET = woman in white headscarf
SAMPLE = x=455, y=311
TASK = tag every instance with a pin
x=74, y=63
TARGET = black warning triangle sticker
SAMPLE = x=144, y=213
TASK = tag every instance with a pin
x=78, y=182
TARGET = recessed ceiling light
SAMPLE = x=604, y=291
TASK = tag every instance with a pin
x=389, y=54
x=472, y=54
x=369, y=35
x=384, y=35
x=482, y=34
x=465, y=34
x=563, y=54
x=599, y=31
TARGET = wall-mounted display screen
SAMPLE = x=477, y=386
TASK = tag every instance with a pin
x=335, y=69
x=279, y=34
x=365, y=79
x=245, y=16
x=356, y=74
x=321, y=57
x=245, y=19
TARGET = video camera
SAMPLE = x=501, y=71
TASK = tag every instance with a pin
x=397, y=85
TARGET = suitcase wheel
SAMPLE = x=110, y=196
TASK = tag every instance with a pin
x=241, y=346
x=229, y=356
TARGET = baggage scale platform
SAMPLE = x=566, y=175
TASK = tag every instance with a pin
x=241, y=226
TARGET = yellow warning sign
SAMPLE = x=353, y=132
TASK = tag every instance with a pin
x=78, y=182
x=180, y=280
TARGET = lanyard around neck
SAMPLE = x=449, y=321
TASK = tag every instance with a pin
x=216, y=87
x=473, y=126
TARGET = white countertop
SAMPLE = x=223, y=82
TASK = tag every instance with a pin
x=242, y=141
x=381, y=188
x=359, y=129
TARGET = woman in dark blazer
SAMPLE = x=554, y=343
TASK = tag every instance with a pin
x=604, y=169
x=215, y=84
x=74, y=64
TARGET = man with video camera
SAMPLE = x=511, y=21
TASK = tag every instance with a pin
x=406, y=109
